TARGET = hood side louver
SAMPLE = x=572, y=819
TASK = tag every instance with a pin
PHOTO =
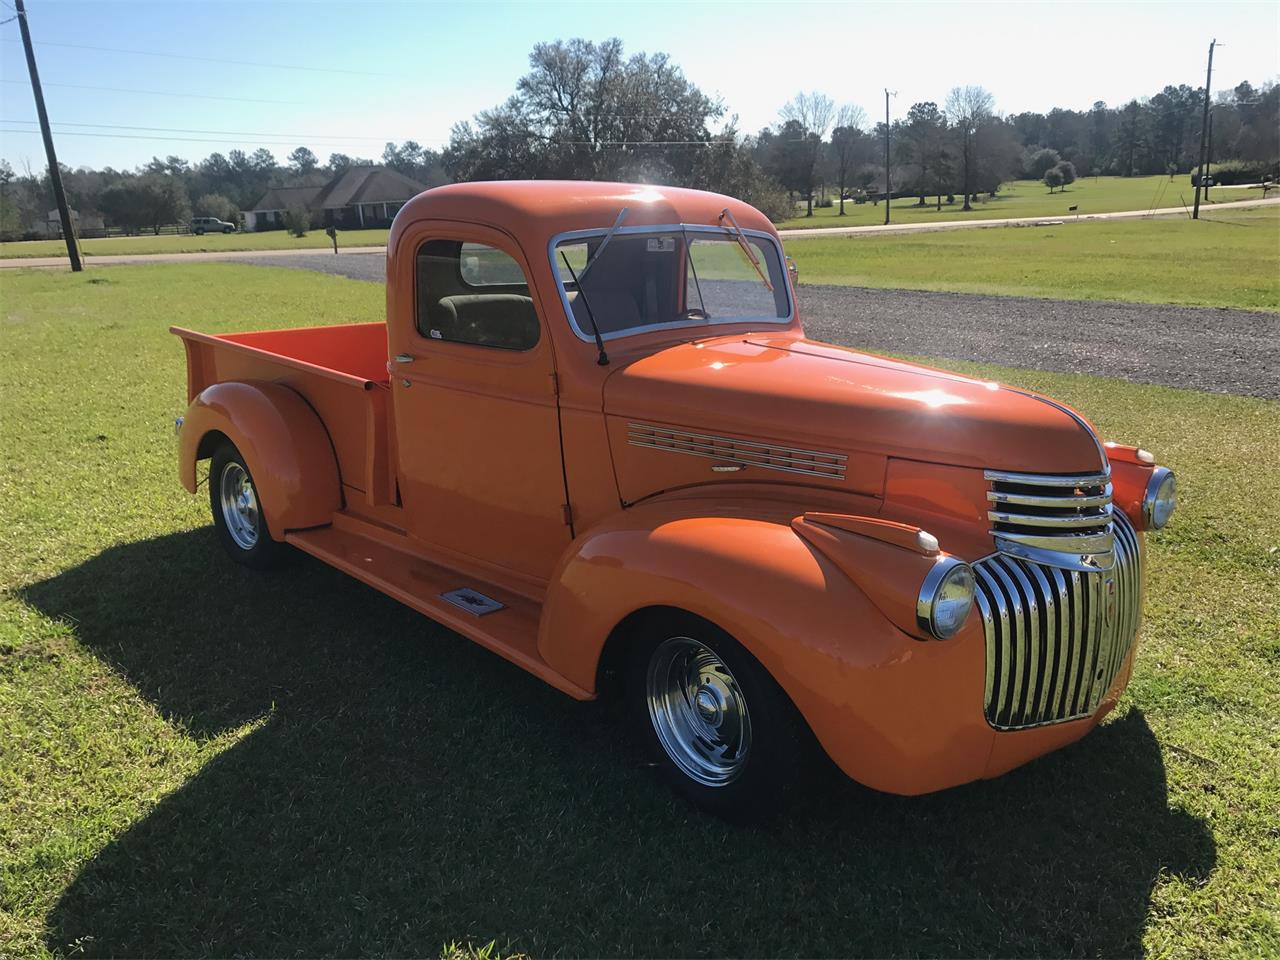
x=748, y=453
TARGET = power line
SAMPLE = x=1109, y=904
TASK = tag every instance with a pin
x=273, y=139
x=127, y=136
x=185, y=56
x=225, y=133
x=159, y=93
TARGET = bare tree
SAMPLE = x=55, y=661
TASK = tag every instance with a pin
x=967, y=108
x=846, y=140
x=812, y=113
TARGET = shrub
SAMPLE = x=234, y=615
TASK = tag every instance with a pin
x=1038, y=162
x=1239, y=171
x=1052, y=178
x=297, y=220
x=825, y=202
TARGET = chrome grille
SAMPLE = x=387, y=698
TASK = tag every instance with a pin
x=1056, y=638
x=813, y=463
x=1063, y=520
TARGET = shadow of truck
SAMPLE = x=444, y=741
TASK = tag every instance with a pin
x=406, y=788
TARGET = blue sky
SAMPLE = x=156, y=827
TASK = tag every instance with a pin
x=397, y=71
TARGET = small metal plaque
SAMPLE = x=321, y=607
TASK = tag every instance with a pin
x=472, y=601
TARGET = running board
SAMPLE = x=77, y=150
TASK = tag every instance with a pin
x=497, y=619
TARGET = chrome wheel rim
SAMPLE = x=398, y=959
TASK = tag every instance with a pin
x=698, y=712
x=239, y=505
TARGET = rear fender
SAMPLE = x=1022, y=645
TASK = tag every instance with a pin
x=284, y=445
x=894, y=712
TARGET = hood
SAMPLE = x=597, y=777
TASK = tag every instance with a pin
x=789, y=392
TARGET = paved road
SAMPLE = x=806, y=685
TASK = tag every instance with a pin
x=123, y=259
x=1224, y=351
x=117, y=259
x=930, y=227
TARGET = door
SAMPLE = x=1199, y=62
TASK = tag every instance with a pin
x=477, y=423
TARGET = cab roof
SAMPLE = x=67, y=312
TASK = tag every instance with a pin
x=536, y=210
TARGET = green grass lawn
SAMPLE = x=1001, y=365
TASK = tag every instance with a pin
x=201, y=760
x=1031, y=198
x=1231, y=258
x=271, y=240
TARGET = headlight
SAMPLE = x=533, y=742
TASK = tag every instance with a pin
x=946, y=596
x=1161, y=498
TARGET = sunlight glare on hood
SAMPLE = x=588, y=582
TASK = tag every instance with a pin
x=933, y=399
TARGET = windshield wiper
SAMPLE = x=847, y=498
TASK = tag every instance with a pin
x=622, y=215
x=746, y=247
x=603, y=358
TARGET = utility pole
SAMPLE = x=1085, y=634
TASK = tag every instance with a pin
x=1204, y=132
x=55, y=174
x=888, y=187
x=1208, y=158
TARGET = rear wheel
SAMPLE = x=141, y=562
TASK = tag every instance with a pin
x=237, y=511
x=198, y=231
x=720, y=729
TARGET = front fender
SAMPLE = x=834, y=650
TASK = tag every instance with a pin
x=283, y=442
x=894, y=712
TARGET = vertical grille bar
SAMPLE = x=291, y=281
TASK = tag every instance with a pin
x=1062, y=644
x=1056, y=638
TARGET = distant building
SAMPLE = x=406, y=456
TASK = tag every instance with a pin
x=88, y=225
x=356, y=197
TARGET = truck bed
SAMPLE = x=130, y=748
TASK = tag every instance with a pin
x=340, y=370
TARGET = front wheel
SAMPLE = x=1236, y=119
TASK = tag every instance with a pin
x=228, y=230
x=237, y=511
x=720, y=729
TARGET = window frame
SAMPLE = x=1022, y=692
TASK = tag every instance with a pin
x=587, y=234
x=425, y=336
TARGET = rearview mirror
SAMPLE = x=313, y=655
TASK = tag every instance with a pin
x=793, y=270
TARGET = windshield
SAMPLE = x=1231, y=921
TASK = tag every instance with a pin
x=646, y=279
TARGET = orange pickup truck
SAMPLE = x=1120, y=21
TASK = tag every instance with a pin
x=593, y=437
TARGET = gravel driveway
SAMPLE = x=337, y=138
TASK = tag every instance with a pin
x=1224, y=351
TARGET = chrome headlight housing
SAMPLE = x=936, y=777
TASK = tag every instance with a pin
x=946, y=597
x=1161, y=498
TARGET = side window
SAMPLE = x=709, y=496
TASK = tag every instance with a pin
x=473, y=293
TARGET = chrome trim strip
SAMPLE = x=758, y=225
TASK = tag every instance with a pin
x=1055, y=557
x=675, y=325
x=1055, y=523
x=1050, y=479
x=812, y=463
x=1031, y=500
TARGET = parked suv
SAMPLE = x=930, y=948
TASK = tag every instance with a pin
x=201, y=225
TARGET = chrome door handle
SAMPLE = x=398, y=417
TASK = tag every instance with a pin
x=405, y=358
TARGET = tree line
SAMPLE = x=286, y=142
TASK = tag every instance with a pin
x=589, y=110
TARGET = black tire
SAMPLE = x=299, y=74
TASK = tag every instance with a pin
x=780, y=747
x=246, y=542
x=228, y=229
x=199, y=232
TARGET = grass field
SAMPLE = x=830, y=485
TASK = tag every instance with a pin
x=272, y=240
x=1023, y=198
x=1231, y=258
x=199, y=760
x=1031, y=198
